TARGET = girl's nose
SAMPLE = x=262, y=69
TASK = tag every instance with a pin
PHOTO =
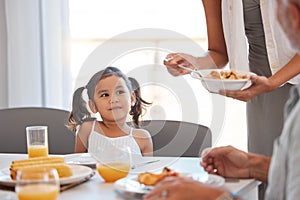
x=114, y=99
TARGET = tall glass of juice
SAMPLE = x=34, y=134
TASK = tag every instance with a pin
x=37, y=141
x=37, y=184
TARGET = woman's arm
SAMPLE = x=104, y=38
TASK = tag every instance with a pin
x=216, y=42
x=287, y=72
x=216, y=56
x=261, y=84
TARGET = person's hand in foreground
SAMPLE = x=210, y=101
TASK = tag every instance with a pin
x=178, y=188
x=227, y=162
x=233, y=163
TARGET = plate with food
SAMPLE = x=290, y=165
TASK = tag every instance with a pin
x=135, y=187
x=67, y=173
x=215, y=80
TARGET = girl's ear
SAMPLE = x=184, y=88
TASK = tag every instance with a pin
x=92, y=106
x=133, y=99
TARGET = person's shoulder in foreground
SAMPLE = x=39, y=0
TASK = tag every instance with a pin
x=284, y=171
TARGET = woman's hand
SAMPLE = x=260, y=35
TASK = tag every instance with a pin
x=177, y=188
x=227, y=162
x=260, y=84
x=172, y=61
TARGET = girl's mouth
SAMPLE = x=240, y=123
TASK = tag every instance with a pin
x=115, y=108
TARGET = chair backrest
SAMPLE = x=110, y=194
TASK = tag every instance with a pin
x=178, y=138
x=13, y=122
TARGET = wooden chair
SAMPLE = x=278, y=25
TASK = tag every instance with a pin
x=178, y=138
x=14, y=121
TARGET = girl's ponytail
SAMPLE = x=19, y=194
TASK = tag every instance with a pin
x=79, y=111
x=140, y=104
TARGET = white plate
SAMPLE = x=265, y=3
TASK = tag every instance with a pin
x=130, y=188
x=8, y=195
x=80, y=159
x=209, y=179
x=79, y=173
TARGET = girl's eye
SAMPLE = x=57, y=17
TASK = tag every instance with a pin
x=120, y=92
x=104, y=95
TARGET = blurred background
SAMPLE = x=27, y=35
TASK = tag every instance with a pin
x=51, y=47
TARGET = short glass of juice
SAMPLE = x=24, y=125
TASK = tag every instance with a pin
x=37, y=184
x=113, y=165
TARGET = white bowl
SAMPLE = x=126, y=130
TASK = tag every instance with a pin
x=216, y=85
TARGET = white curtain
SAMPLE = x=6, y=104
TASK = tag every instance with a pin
x=34, y=54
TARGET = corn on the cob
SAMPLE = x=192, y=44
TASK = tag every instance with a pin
x=55, y=162
x=38, y=160
x=63, y=170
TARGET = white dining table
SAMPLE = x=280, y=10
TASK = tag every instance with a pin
x=96, y=188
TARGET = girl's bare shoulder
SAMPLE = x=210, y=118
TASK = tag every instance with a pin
x=141, y=133
x=85, y=128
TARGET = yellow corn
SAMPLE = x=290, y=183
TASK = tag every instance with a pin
x=63, y=170
x=38, y=160
x=55, y=162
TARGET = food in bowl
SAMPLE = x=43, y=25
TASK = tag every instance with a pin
x=216, y=80
x=226, y=75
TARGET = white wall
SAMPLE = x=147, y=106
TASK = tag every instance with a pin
x=34, y=47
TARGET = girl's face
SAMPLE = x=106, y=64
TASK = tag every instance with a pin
x=112, y=99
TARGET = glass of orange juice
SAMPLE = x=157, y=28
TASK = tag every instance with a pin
x=37, y=141
x=37, y=184
x=113, y=164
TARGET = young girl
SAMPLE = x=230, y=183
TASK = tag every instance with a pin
x=110, y=93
